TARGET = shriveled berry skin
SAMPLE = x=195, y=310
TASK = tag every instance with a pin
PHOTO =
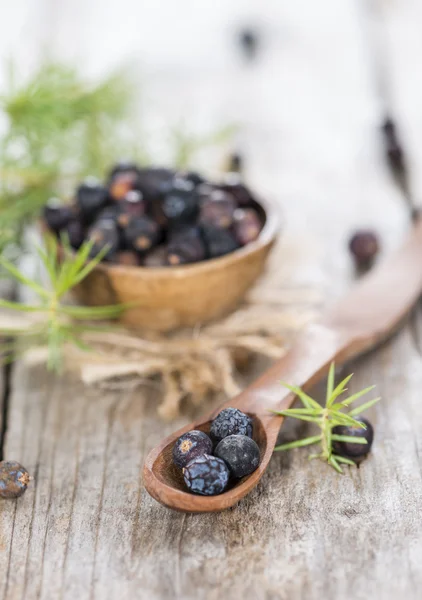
x=91, y=197
x=364, y=246
x=189, y=446
x=141, y=234
x=14, y=479
x=206, y=475
x=217, y=209
x=349, y=449
x=57, y=215
x=185, y=246
x=155, y=182
x=218, y=242
x=180, y=204
x=246, y=226
x=230, y=421
x=240, y=453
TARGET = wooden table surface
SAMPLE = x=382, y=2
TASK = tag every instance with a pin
x=310, y=107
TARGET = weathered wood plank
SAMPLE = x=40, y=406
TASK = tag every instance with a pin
x=87, y=528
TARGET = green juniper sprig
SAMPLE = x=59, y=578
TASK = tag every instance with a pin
x=57, y=323
x=327, y=417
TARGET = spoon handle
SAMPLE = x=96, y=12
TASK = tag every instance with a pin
x=307, y=361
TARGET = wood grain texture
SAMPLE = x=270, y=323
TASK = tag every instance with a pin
x=87, y=529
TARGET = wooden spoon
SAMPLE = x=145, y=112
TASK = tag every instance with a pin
x=367, y=315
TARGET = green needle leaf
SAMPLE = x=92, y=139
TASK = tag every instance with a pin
x=340, y=389
x=22, y=278
x=330, y=383
x=307, y=400
x=299, y=443
x=348, y=438
x=335, y=464
x=344, y=460
x=360, y=409
x=351, y=399
x=344, y=419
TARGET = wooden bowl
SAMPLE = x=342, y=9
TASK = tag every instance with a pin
x=167, y=298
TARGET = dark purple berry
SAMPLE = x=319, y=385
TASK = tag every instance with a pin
x=57, y=215
x=217, y=209
x=364, y=247
x=132, y=205
x=123, y=166
x=180, y=205
x=104, y=234
x=206, y=475
x=240, y=453
x=157, y=257
x=189, y=446
x=246, y=226
x=122, y=183
x=91, y=197
x=218, y=242
x=75, y=233
x=185, y=246
x=191, y=176
x=155, y=182
x=230, y=421
x=233, y=183
x=349, y=449
x=14, y=479
x=141, y=234
x=249, y=42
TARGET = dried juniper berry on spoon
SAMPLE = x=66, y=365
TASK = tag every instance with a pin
x=206, y=475
x=230, y=421
x=189, y=446
x=240, y=453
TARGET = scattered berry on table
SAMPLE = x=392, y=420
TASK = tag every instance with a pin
x=348, y=449
x=240, y=453
x=230, y=421
x=14, y=479
x=218, y=242
x=247, y=225
x=91, y=197
x=249, y=42
x=206, y=475
x=189, y=446
x=364, y=246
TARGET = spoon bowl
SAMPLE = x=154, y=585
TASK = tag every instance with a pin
x=366, y=316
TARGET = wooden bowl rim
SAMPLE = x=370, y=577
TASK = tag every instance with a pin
x=267, y=236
